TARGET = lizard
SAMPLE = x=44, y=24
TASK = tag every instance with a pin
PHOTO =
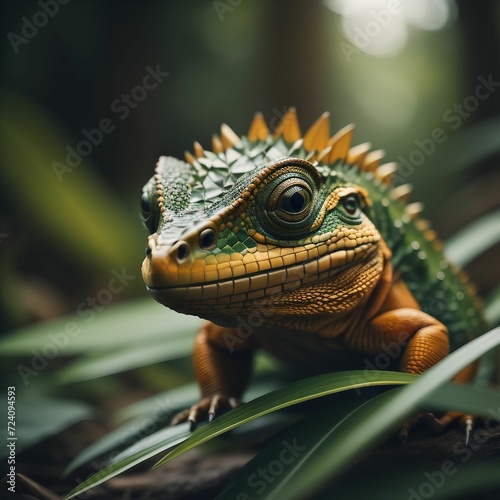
x=302, y=245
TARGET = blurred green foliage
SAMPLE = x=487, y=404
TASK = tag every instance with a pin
x=68, y=230
x=65, y=231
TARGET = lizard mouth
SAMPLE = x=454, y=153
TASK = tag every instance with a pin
x=262, y=284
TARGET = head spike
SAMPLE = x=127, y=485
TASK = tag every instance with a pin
x=258, y=128
x=288, y=127
x=228, y=137
x=312, y=156
x=430, y=235
x=401, y=192
x=414, y=209
x=422, y=224
x=386, y=171
x=372, y=160
x=357, y=153
x=189, y=157
x=198, y=150
x=323, y=154
x=318, y=133
x=217, y=146
x=340, y=143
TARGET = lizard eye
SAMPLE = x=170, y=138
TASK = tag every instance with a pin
x=351, y=205
x=289, y=208
x=292, y=200
x=145, y=207
x=149, y=219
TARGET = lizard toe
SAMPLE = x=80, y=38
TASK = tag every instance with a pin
x=207, y=408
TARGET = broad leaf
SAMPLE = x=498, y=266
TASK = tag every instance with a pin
x=128, y=324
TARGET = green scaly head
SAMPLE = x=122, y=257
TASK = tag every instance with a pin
x=277, y=222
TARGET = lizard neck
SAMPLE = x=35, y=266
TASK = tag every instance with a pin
x=337, y=306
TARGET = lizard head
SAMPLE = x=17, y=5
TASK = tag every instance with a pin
x=274, y=224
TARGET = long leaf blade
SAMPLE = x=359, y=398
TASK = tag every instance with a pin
x=295, y=393
x=168, y=438
x=367, y=426
x=317, y=439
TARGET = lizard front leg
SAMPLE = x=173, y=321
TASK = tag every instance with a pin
x=222, y=362
x=423, y=341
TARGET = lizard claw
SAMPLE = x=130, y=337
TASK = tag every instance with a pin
x=428, y=419
x=468, y=422
x=208, y=407
x=439, y=425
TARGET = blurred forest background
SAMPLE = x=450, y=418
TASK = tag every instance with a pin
x=225, y=60
x=406, y=73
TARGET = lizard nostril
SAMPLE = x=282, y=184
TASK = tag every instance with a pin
x=182, y=251
x=148, y=251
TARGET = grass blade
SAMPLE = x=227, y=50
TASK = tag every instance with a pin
x=295, y=393
x=117, y=326
x=126, y=359
x=368, y=426
x=473, y=240
x=165, y=439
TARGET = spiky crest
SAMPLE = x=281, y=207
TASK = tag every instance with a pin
x=316, y=141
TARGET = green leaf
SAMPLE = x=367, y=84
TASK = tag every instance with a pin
x=362, y=431
x=368, y=426
x=295, y=393
x=466, y=149
x=474, y=239
x=320, y=439
x=257, y=389
x=290, y=445
x=464, y=398
x=165, y=439
x=492, y=307
x=127, y=324
x=413, y=481
x=126, y=359
x=180, y=397
x=147, y=416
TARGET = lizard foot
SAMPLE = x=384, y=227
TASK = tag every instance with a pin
x=209, y=407
x=439, y=425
